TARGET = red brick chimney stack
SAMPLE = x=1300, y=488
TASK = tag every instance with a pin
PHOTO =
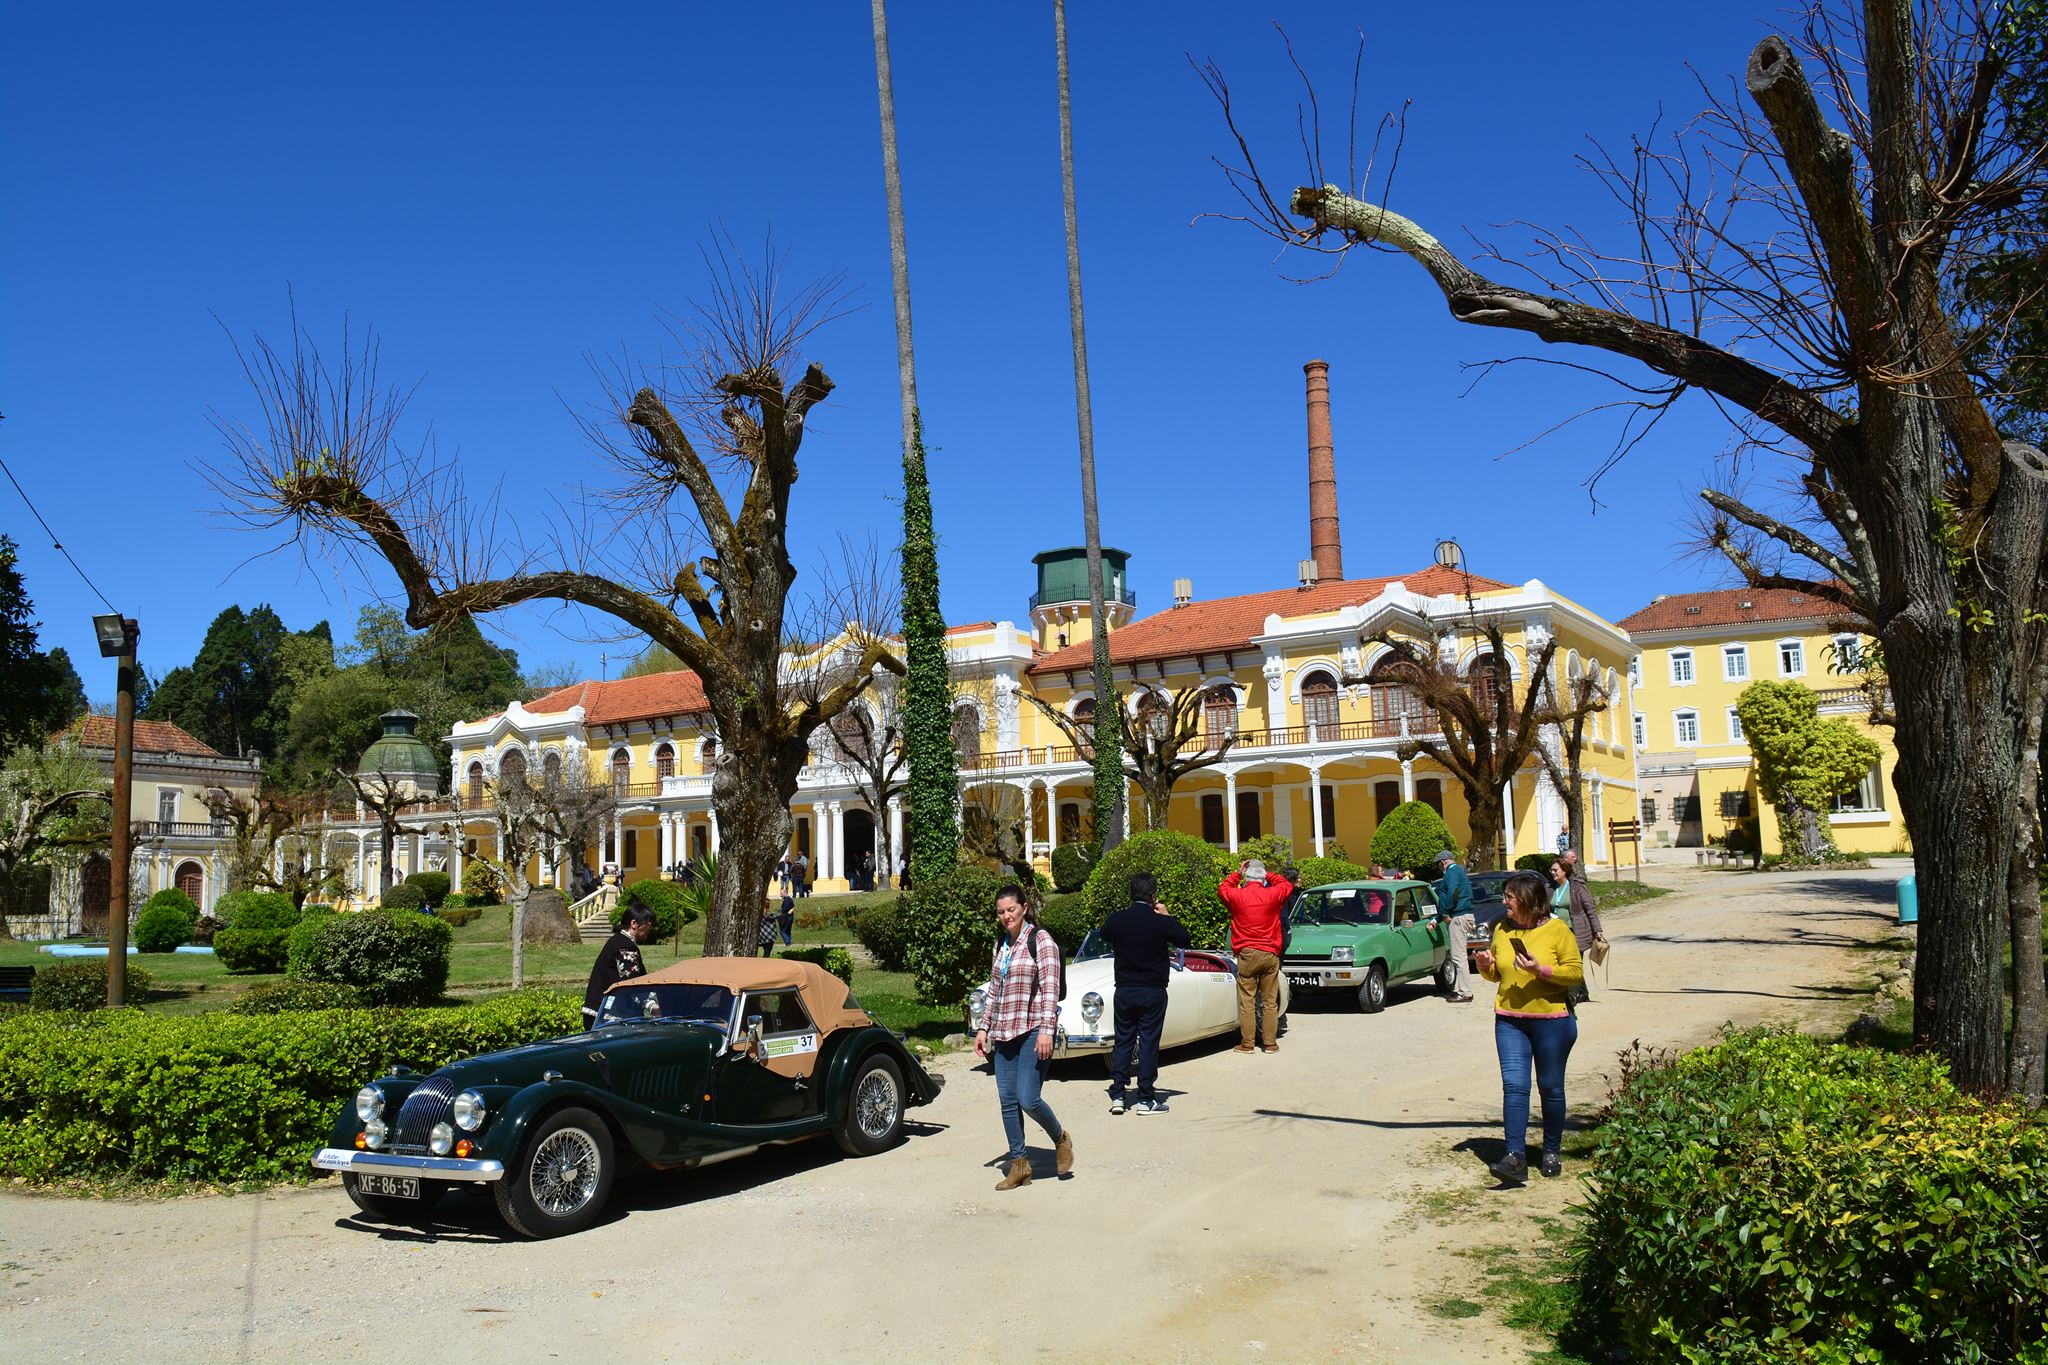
x=1325, y=542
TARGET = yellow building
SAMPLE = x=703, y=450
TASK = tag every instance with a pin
x=1698, y=651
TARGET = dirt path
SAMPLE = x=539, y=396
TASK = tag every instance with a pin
x=1272, y=1215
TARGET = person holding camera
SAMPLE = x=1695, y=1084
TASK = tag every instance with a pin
x=1535, y=960
x=1256, y=902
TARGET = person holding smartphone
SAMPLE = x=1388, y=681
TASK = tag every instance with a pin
x=1534, y=959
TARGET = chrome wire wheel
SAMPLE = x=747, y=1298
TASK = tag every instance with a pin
x=876, y=1103
x=563, y=1174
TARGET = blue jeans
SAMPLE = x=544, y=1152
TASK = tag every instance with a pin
x=1546, y=1042
x=1019, y=1074
x=1140, y=1014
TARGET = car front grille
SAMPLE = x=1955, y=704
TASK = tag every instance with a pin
x=426, y=1106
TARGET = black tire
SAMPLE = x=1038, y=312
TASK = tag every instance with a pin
x=873, y=1121
x=1372, y=994
x=1446, y=977
x=387, y=1209
x=562, y=1178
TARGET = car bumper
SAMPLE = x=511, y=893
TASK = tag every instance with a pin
x=1082, y=1044
x=393, y=1163
x=1325, y=976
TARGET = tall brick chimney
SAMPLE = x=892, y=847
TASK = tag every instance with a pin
x=1325, y=542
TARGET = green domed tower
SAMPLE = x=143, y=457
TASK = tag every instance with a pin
x=400, y=758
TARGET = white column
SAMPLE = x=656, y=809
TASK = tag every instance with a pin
x=1407, y=779
x=1230, y=809
x=1030, y=821
x=455, y=841
x=1315, y=806
x=838, y=839
x=362, y=868
x=1052, y=816
x=714, y=831
x=418, y=847
x=667, y=825
x=1507, y=820
x=896, y=849
x=1594, y=837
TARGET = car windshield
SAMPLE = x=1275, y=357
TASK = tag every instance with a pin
x=684, y=1004
x=1343, y=905
x=1487, y=888
x=1092, y=947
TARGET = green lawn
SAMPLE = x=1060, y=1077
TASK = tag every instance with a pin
x=1615, y=895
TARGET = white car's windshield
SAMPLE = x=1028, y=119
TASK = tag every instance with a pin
x=667, y=1004
x=1092, y=947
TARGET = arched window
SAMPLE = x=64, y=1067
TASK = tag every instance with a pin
x=710, y=752
x=1319, y=701
x=850, y=735
x=967, y=730
x=476, y=784
x=1479, y=682
x=622, y=771
x=512, y=767
x=1219, y=714
x=664, y=760
x=1084, y=713
x=191, y=879
x=551, y=768
x=1155, y=714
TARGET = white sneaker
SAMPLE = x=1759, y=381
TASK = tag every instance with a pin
x=1149, y=1107
x=1116, y=1106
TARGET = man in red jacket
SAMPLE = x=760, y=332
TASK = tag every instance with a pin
x=1255, y=900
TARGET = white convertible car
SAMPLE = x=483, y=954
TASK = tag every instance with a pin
x=1201, y=1000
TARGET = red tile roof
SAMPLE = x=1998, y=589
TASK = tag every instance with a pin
x=1230, y=622
x=643, y=698
x=151, y=737
x=970, y=626
x=1732, y=607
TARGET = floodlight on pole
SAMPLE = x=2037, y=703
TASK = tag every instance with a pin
x=1450, y=554
x=118, y=636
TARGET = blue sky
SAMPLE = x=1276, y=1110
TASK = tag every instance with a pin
x=505, y=193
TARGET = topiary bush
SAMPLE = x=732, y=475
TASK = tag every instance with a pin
x=1324, y=871
x=1410, y=837
x=258, y=936
x=175, y=898
x=256, y=910
x=299, y=943
x=1270, y=849
x=1775, y=1198
x=160, y=928
x=1066, y=919
x=221, y=1097
x=459, y=915
x=455, y=900
x=435, y=886
x=283, y=997
x=883, y=931
x=837, y=961
x=482, y=884
x=950, y=924
x=392, y=957
x=670, y=902
x=1071, y=864
x=1539, y=863
x=1188, y=871
x=403, y=896
x=81, y=984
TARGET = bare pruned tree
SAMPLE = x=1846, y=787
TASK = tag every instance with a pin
x=269, y=848
x=1789, y=257
x=1569, y=710
x=1167, y=740
x=712, y=433
x=385, y=796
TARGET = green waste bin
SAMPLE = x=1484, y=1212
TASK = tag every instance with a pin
x=1907, y=894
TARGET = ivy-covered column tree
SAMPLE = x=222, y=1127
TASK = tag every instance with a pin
x=1802, y=761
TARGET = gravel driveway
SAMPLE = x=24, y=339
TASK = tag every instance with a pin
x=1266, y=1217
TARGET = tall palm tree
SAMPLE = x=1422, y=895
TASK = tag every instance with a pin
x=927, y=690
x=1109, y=772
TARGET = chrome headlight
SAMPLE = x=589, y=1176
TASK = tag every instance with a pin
x=1340, y=954
x=375, y=1131
x=1091, y=1007
x=441, y=1140
x=369, y=1103
x=977, y=1006
x=469, y=1111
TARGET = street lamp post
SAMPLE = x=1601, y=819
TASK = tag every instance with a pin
x=117, y=636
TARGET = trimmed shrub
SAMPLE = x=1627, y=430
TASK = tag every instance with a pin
x=1774, y=1198
x=176, y=899
x=950, y=924
x=258, y=933
x=455, y=900
x=837, y=961
x=1066, y=919
x=393, y=957
x=1410, y=837
x=482, y=884
x=1323, y=871
x=160, y=928
x=316, y=910
x=1270, y=849
x=403, y=896
x=1071, y=864
x=204, y=930
x=668, y=901
x=459, y=915
x=256, y=910
x=883, y=931
x=80, y=984
x=299, y=943
x=282, y=997
x=434, y=886
x=1539, y=863
x=1188, y=871
x=221, y=1097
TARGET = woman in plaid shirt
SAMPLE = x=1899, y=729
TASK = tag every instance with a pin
x=1023, y=1005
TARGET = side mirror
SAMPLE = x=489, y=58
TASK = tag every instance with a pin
x=750, y=1041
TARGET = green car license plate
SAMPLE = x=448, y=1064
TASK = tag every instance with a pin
x=391, y=1186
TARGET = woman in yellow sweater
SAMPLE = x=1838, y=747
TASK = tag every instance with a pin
x=1535, y=961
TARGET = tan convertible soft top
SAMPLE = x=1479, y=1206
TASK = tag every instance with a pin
x=825, y=995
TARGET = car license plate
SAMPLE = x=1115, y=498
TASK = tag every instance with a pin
x=1294, y=979
x=391, y=1186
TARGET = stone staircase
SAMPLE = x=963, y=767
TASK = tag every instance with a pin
x=593, y=914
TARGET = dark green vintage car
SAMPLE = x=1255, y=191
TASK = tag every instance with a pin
x=1362, y=937
x=690, y=1065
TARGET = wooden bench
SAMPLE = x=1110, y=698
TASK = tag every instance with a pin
x=16, y=983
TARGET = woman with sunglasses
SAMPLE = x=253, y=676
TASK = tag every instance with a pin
x=1535, y=961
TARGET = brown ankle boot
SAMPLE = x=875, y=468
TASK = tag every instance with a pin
x=1063, y=1154
x=1018, y=1173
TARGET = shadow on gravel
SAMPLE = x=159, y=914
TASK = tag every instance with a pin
x=1807, y=992
x=1380, y=1123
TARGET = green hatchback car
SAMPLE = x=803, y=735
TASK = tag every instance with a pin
x=1362, y=937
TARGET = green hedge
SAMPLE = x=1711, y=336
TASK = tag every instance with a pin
x=459, y=915
x=221, y=1097
x=1071, y=864
x=81, y=984
x=160, y=928
x=837, y=961
x=175, y=898
x=403, y=896
x=1775, y=1198
x=481, y=884
x=668, y=901
x=950, y=922
x=1410, y=838
x=435, y=886
x=1066, y=919
x=281, y=997
x=256, y=910
x=393, y=957
x=1539, y=863
x=1324, y=871
x=1188, y=870
x=885, y=933
x=258, y=937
